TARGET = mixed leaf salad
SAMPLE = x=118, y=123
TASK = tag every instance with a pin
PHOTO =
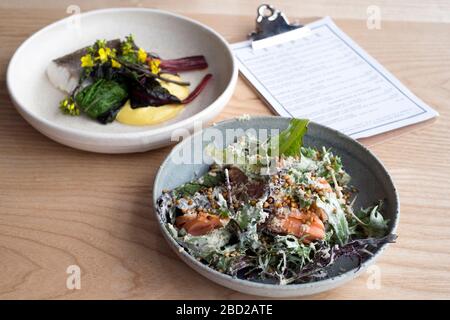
x=113, y=72
x=273, y=211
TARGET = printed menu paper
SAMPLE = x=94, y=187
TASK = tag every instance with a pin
x=326, y=77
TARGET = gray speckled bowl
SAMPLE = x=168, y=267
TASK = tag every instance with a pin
x=368, y=176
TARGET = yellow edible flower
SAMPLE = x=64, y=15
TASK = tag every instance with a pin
x=115, y=64
x=154, y=65
x=142, y=55
x=103, y=54
x=69, y=107
x=86, y=61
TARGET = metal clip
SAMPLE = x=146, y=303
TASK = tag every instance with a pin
x=270, y=22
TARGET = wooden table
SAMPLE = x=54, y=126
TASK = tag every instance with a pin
x=61, y=207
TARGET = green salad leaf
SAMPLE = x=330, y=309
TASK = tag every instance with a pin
x=188, y=189
x=371, y=221
x=100, y=97
x=205, y=245
x=208, y=180
x=249, y=215
x=336, y=218
x=290, y=140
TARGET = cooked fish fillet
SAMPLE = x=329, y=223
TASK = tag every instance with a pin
x=64, y=72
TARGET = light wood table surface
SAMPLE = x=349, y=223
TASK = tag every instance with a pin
x=60, y=206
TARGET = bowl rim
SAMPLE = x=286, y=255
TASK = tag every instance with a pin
x=119, y=136
x=348, y=275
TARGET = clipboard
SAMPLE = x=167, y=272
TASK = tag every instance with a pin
x=272, y=24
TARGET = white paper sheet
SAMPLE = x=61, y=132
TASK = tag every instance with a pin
x=328, y=78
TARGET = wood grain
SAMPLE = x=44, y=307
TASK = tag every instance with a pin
x=60, y=206
x=398, y=10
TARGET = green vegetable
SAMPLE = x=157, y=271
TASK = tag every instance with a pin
x=208, y=180
x=205, y=245
x=289, y=141
x=212, y=180
x=100, y=97
x=224, y=213
x=371, y=222
x=188, y=189
x=249, y=215
x=296, y=251
x=129, y=49
x=336, y=218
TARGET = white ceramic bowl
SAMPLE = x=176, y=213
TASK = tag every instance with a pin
x=169, y=35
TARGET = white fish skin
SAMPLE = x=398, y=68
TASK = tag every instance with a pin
x=64, y=72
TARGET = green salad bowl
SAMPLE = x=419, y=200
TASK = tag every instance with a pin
x=368, y=176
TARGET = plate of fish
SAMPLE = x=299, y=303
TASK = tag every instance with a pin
x=121, y=80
